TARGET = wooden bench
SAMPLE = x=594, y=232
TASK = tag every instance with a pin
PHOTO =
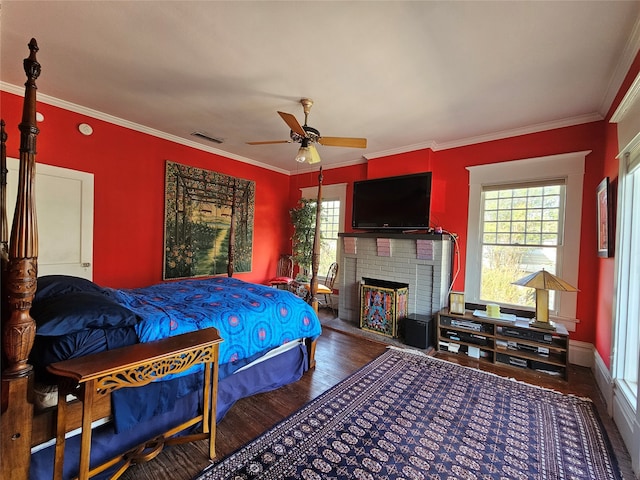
x=92, y=376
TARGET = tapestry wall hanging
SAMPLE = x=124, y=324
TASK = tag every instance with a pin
x=206, y=213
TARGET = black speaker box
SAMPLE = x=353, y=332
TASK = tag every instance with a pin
x=418, y=330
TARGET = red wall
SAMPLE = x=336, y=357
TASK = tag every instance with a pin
x=128, y=168
x=400, y=164
x=450, y=192
x=606, y=266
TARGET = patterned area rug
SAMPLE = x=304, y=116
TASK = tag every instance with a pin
x=409, y=416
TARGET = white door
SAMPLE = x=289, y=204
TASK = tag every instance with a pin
x=64, y=204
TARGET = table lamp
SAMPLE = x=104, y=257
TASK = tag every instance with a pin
x=544, y=281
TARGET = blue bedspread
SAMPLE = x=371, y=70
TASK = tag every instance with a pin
x=251, y=318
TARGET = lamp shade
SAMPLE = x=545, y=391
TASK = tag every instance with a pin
x=544, y=280
x=303, y=155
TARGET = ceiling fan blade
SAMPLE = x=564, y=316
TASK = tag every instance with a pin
x=343, y=142
x=314, y=155
x=269, y=142
x=293, y=123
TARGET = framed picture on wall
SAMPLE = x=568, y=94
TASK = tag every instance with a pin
x=604, y=219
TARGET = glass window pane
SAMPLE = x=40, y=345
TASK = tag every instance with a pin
x=490, y=227
x=534, y=214
x=518, y=227
x=490, y=216
x=490, y=195
x=489, y=238
x=504, y=215
x=329, y=228
x=534, y=202
x=503, y=239
x=504, y=227
x=505, y=204
x=515, y=227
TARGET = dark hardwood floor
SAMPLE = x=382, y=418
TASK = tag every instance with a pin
x=338, y=355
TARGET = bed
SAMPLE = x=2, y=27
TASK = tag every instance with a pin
x=268, y=338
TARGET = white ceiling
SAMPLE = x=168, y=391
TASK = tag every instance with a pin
x=403, y=74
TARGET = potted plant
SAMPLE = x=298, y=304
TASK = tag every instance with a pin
x=303, y=218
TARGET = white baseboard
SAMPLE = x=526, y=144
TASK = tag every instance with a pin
x=603, y=380
x=581, y=353
x=620, y=410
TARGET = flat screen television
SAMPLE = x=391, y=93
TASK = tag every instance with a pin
x=392, y=203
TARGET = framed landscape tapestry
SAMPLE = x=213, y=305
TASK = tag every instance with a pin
x=208, y=222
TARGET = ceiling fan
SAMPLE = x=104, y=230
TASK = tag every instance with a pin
x=307, y=136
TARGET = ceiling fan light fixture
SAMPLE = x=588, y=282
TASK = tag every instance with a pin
x=303, y=154
x=308, y=137
x=315, y=157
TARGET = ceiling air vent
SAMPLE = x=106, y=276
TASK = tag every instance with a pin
x=206, y=137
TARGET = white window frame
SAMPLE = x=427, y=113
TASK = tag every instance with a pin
x=569, y=166
x=627, y=304
x=336, y=191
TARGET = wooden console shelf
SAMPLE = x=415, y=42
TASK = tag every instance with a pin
x=93, y=376
x=504, y=342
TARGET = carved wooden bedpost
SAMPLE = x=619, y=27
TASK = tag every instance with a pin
x=315, y=256
x=18, y=328
x=4, y=227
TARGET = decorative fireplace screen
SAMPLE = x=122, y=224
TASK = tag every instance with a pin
x=382, y=305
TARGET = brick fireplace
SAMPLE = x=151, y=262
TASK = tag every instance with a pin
x=422, y=261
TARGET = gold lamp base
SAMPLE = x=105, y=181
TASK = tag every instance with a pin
x=542, y=311
x=543, y=325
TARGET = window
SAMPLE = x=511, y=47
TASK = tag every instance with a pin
x=628, y=278
x=329, y=227
x=331, y=222
x=522, y=233
x=517, y=224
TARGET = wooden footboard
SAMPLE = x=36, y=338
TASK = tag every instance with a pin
x=44, y=422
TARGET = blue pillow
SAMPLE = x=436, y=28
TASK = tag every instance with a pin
x=49, y=349
x=76, y=311
x=54, y=285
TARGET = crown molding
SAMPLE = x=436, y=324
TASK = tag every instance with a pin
x=622, y=68
x=627, y=101
x=536, y=128
x=56, y=102
x=463, y=142
x=396, y=151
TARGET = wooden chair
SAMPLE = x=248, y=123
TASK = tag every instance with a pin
x=326, y=289
x=284, y=273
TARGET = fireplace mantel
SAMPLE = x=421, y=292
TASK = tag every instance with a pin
x=421, y=260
